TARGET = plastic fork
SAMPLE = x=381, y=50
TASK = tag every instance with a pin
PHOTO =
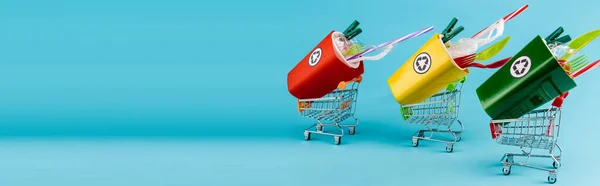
x=577, y=63
x=486, y=54
x=464, y=60
x=586, y=68
x=496, y=64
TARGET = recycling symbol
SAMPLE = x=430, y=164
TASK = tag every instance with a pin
x=315, y=57
x=422, y=63
x=520, y=67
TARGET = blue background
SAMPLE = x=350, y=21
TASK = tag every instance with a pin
x=194, y=93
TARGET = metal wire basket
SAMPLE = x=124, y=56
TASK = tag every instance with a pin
x=331, y=109
x=538, y=129
x=438, y=114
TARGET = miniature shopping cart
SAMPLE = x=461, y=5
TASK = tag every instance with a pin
x=438, y=114
x=331, y=109
x=538, y=129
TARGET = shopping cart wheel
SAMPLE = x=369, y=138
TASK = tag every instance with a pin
x=552, y=178
x=450, y=148
x=506, y=170
x=415, y=142
x=351, y=130
x=306, y=135
x=319, y=128
x=556, y=165
x=337, y=140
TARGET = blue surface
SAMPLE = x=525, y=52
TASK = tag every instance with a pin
x=194, y=93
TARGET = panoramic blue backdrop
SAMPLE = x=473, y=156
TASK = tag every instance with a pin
x=185, y=92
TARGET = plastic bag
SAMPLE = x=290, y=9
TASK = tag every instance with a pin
x=387, y=46
x=561, y=50
x=349, y=48
x=469, y=46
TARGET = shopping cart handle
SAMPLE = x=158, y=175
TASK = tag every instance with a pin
x=495, y=129
x=342, y=85
x=559, y=100
x=302, y=105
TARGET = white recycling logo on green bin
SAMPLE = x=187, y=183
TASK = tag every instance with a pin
x=520, y=67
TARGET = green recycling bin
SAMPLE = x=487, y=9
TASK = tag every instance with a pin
x=530, y=79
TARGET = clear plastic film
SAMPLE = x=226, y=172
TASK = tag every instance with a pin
x=353, y=52
x=346, y=48
x=469, y=46
x=465, y=51
x=387, y=47
x=562, y=50
x=341, y=42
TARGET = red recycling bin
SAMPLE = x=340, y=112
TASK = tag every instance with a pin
x=321, y=70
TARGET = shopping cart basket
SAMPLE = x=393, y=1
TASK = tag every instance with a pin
x=538, y=129
x=438, y=114
x=331, y=109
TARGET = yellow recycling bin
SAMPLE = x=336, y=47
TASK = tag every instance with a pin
x=425, y=73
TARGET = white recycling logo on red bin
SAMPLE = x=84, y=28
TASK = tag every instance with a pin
x=315, y=57
x=520, y=67
x=422, y=63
